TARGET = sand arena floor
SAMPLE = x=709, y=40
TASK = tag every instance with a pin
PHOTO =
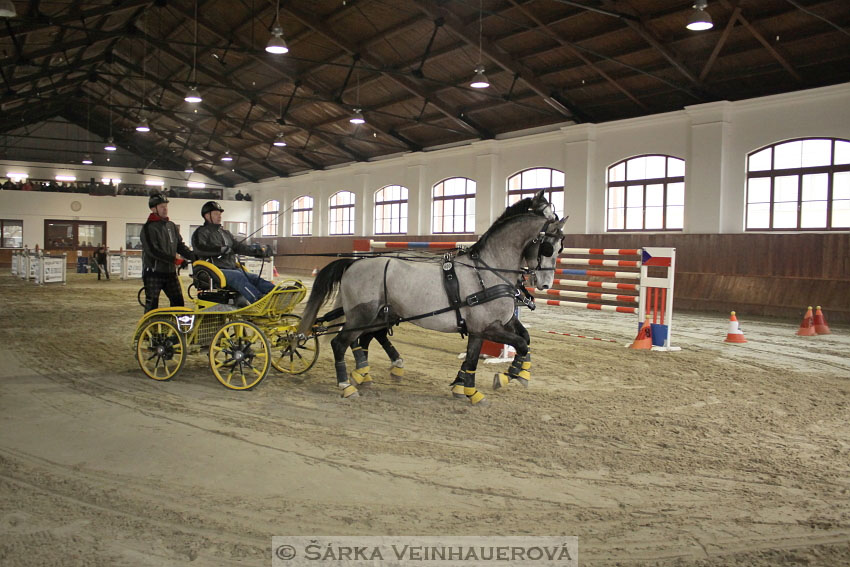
x=713, y=456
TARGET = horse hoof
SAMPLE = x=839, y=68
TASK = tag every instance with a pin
x=522, y=381
x=361, y=376
x=482, y=403
x=350, y=392
x=500, y=380
x=457, y=392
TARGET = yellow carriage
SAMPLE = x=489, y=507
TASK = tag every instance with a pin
x=242, y=343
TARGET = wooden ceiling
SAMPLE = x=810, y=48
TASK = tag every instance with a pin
x=99, y=65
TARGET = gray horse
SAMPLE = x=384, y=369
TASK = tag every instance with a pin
x=474, y=293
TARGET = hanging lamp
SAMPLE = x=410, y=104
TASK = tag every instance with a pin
x=700, y=20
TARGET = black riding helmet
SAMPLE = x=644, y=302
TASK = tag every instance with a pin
x=211, y=206
x=156, y=199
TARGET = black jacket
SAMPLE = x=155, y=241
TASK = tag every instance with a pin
x=216, y=244
x=161, y=242
x=100, y=257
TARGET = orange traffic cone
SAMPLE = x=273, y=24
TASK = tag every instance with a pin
x=821, y=327
x=315, y=272
x=275, y=273
x=735, y=335
x=643, y=340
x=807, y=327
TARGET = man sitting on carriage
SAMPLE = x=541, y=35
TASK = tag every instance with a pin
x=216, y=244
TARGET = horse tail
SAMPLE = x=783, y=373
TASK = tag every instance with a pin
x=325, y=285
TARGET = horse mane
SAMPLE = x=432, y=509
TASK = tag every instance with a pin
x=520, y=208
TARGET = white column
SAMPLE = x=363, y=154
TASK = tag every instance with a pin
x=320, y=209
x=706, y=194
x=364, y=207
x=488, y=205
x=419, y=200
x=584, y=193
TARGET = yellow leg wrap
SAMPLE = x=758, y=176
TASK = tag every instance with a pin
x=457, y=391
x=476, y=398
x=526, y=365
x=524, y=374
x=349, y=391
x=361, y=375
x=397, y=372
x=500, y=380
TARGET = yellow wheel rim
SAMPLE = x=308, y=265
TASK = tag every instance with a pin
x=291, y=355
x=161, y=349
x=240, y=355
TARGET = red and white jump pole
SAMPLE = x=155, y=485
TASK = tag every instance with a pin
x=652, y=295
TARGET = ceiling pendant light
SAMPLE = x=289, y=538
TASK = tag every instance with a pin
x=143, y=125
x=279, y=141
x=276, y=44
x=227, y=157
x=110, y=143
x=7, y=9
x=193, y=95
x=357, y=117
x=479, y=81
x=189, y=168
x=87, y=160
x=700, y=20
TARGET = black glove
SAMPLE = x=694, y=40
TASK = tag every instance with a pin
x=261, y=251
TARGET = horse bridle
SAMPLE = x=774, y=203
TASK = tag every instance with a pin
x=541, y=248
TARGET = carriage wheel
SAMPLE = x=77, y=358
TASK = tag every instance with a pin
x=140, y=297
x=161, y=349
x=293, y=354
x=240, y=355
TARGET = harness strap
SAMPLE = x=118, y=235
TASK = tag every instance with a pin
x=452, y=288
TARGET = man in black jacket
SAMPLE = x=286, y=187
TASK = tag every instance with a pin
x=216, y=244
x=100, y=259
x=162, y=251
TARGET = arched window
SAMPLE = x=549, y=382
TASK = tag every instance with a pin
x=270, y=215
x=454, y=206
x=799, y=185
x=342, y=213
x=527, y=183
x=391, y=210
x=646, y=193
x=302, y=216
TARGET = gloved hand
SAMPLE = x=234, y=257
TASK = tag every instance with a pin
x=261, y=251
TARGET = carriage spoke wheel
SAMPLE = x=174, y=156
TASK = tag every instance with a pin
x=240, y=355
x=293, y=354
x=161, y=349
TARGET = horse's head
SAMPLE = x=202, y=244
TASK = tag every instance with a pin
x=541, y=254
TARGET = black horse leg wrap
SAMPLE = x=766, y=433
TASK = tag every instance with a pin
x=462, y=377
x=341, y=375
x=519, y=363
x=361, y=356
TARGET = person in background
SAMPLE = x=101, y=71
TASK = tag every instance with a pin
x=216, y=244
x=100, y=260
x=163, y=251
